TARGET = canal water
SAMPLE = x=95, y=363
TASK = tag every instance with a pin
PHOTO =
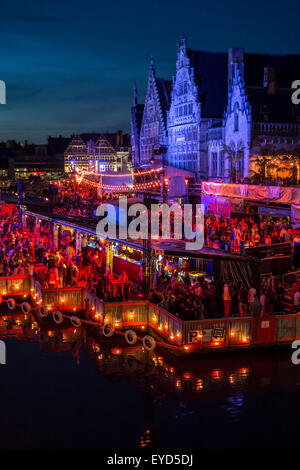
x=75, y=391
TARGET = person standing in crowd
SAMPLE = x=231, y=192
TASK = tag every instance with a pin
x=297, y=298
x=252, y=293
x=227, y=298
x=243, y=300
x=255, y=307
x=263, y=301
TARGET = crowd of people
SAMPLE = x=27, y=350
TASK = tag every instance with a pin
x=182, y=298
x=199, y=300
x=80, y=200
x=31, y=251
x=243, y=301
x=74, y=200
x=53, y=261
x=244, y=231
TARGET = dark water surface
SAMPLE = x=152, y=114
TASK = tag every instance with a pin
x=91, y=394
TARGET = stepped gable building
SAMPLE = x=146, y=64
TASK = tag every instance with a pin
x=260, y=120
x=153, y=131
x=99, y=152
x=198, y=99
x=225, y=111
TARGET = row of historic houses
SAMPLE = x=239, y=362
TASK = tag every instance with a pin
x=222, y=116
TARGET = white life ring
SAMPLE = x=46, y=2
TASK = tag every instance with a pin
x=25, y=307
x=149, y=343
x=11, y=303
x=130, y=336
x=75, y=321
x=42, y=312
x=57, y=317
x=108, y=330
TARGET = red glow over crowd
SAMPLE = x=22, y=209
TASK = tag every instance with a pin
x=55, y=264
x=244, y=231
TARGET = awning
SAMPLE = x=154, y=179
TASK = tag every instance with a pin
x=273, y=212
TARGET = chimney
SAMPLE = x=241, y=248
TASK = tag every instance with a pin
x=270, y=80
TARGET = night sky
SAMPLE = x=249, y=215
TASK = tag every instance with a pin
x=69, y=66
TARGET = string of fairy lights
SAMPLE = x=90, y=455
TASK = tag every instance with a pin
x=150, y=171
x=81, y=176
x=108, y=329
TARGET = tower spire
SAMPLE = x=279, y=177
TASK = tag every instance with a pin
x=183, y=41
x=182, y=58
x=152, y=65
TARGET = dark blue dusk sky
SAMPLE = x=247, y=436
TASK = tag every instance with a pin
x=69, y=66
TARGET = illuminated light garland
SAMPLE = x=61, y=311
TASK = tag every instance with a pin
x=134, y=187
x=136, y=173
x=82, y=171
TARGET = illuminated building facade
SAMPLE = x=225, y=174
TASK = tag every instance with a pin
x=198, y=99
x=228, y=115
x=153, y=131
x=260, y=132
x=99, y=152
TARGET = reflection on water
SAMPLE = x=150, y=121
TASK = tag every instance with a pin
x=125, y=396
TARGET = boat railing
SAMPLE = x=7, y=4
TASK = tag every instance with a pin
x=167, y=325
x=207, y=333
x=15, y=285
x=93, y=304
x=124, y=314
x=64, y=298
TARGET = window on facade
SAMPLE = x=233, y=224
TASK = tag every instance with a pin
x=236, y=117
x=222, y=163
x=240, y=163
x=214, y=163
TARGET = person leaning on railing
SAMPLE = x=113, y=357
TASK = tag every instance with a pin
x=255, y=307
x=297, y=298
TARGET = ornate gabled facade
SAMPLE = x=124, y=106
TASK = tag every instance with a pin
x=76, y=154
x=153, y=133
x=237, y=120
x=261, y=125
x=184, y=116
x=99, y=152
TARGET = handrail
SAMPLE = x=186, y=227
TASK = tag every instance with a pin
x=13, y=277
x=15, y=285
x=188, y=334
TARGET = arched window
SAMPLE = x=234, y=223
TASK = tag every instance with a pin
x=240, y=162
x=236, y=117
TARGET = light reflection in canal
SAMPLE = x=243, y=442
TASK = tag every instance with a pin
x=176, y=396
